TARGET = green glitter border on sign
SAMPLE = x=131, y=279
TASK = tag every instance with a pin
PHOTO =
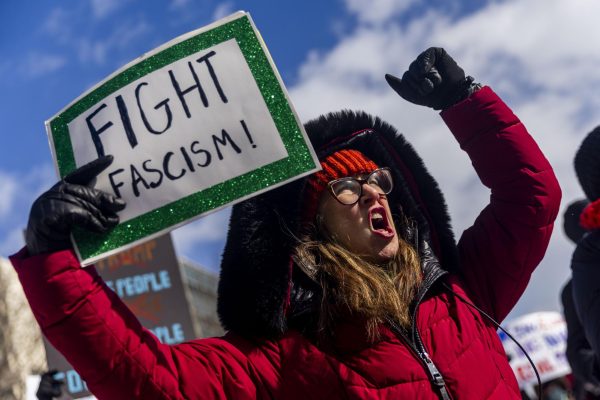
x=298, y=161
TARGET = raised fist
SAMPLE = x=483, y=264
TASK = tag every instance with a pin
x=433, y=80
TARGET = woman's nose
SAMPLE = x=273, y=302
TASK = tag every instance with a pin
x=369, y=194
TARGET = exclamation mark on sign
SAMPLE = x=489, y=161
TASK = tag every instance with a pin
x=248, y=135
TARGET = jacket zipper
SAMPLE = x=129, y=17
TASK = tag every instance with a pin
x=418, y=348
x=436, y=376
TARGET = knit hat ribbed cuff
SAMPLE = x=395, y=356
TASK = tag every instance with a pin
x=346, y=162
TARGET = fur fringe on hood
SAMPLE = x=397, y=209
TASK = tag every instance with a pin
x=259, y=284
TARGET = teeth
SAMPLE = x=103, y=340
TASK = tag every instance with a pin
x=377, y=220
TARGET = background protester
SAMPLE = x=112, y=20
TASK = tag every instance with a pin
x=585, y=263
x=579, y=353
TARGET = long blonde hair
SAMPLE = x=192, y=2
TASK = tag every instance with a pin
x=354, y=286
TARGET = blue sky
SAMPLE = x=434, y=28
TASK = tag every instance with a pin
x=539, y=55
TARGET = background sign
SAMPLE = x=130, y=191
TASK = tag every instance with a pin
x=544, y=336
x=202, y=122
x=148, y=280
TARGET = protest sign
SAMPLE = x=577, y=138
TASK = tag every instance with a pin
x=543, y=335
x=197, y=124
x=148, y=280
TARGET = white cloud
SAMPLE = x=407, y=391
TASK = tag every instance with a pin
x=8, y=188
x=97, y=43
x=544, y=67
x=18, y=193
x=223, y=10
x=57, y=24
x=103, y=8
x=19, y=189
x=376, y=11
x=543, y=294
x=179, y=4
x=549, y=50
x=36, y=64
x=100, y=51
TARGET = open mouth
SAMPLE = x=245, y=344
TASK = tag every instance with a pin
x=380, y=224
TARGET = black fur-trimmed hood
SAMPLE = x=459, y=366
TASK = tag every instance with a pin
x=258, y=277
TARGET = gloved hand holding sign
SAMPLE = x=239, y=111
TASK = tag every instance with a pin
x=71, y=202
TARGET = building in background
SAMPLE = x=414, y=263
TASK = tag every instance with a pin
x=201, y=286
x=22, y=351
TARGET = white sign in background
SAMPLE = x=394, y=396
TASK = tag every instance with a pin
x=179, y=150
x=543, y=335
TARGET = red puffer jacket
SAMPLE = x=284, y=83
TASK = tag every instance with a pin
x=119, y=359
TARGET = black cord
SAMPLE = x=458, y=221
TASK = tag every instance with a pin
x=497, y=325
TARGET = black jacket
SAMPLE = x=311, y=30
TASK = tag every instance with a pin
x=580, y=355
x=585, y=265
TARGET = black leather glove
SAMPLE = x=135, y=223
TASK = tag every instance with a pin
x=433, y=79
x=49, y=387
x=71, y=202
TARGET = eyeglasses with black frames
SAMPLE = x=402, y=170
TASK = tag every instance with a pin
x=349, y=190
